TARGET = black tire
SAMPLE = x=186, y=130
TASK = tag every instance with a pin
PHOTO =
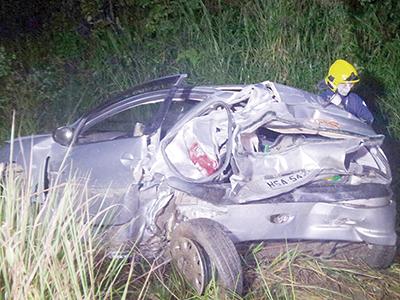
x=216, y=251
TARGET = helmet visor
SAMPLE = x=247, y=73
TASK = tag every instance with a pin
x=352, y=78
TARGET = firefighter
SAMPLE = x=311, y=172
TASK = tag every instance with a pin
x=341, y=78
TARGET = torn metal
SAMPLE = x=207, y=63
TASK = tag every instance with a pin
x=266, y=161
x=274, y=146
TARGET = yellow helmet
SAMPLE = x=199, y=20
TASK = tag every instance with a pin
x=341, y=71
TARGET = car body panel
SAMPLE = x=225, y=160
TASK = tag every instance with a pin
x=300, y=220
x=265, y=160
x=30, y=153
x=264, y=170
x=315, y=113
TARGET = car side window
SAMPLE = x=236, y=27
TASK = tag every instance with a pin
x=120, y=125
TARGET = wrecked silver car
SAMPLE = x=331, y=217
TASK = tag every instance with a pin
x=200, y=169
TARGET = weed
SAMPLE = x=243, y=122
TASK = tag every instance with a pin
x=52, y=77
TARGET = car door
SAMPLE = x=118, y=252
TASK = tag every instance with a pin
x=104, y=156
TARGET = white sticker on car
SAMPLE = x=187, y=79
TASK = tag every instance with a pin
x=283, y=181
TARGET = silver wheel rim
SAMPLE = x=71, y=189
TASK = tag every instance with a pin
x=192, y=262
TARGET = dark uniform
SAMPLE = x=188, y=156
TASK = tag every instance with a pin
x=353, y=104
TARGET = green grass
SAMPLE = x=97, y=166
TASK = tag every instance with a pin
x=52, y=78
x=296, y=275
x=58, y=75
x=48, y=251
x=53, y=251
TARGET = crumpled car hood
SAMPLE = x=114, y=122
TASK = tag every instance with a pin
x=314, y=142
x=311, y=112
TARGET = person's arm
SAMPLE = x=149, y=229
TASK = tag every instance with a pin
x=326, y=96
x=360, y=109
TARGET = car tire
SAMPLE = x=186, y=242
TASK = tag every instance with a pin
x=199, y=249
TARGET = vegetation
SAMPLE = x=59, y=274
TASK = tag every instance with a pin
x=51, y=75
x=50, y=251
x=54, y=67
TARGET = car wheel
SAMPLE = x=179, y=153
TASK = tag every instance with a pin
x=200, y=249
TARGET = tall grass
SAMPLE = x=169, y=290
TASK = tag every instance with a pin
x=52, y=247
x=51, y=251
x=294, y=274
x=48, y=250
x=58, y=75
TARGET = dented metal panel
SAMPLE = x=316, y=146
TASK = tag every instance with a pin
x=265, y=160
x=306, y=220
x=263, y=168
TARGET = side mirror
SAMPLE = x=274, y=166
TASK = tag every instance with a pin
x=63, y=135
